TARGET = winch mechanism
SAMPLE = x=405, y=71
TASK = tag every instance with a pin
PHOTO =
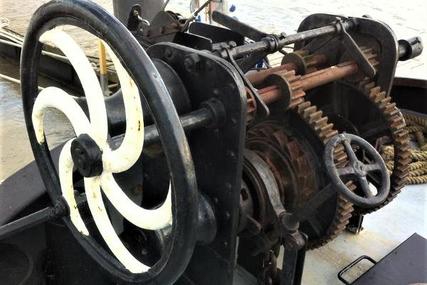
x=201, y=164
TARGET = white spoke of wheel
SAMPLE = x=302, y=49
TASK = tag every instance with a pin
x=155, y=219
x=103, y=223
x=130, y=149
x=88, y=79
x=66, y=179
x=53, y=97
x=115, y=161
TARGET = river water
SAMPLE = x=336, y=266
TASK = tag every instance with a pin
x=15, y=149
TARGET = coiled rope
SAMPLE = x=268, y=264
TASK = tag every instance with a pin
x=416, y=125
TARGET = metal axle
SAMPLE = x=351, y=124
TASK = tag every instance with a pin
x=277, y=42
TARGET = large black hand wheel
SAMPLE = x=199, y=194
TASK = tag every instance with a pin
x=90, y=153
x=357, y=170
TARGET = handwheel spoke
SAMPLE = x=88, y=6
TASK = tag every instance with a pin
x=88, y=79
x=130, y=149
x=350, y=151
x=115, y=161
x=364, y=184
x=103, y=223
x=66, y=179
x=372, y=167
x=53, y=97
x=155, y=219
x=345, y=171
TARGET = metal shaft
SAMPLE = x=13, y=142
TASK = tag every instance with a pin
x=197, y=119
x=257, y=77
x=265, y=45
x=321, y=77
x=29, y=221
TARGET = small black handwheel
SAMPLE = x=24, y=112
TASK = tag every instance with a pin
x=357, y=170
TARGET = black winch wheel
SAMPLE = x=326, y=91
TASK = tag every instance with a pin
x=90, y=153
x=357, y=170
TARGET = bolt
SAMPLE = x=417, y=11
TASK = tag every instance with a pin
x=227, y=215
x=192, y=62
x=231, y=154
x=168, y=53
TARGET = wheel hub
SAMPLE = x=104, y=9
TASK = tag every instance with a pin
x=87, y=156
x=359, y=168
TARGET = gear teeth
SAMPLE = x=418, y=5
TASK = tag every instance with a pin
x=310, y=110
x=325, y=130
x=375, y=63
x=303, y=106
x=396, y=124
x=374, y=91
x=320, y=123
x=369, y=86
x=315, y=116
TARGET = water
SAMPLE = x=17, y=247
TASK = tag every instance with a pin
x=15, y=149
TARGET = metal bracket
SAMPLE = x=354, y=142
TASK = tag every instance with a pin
x=355, y=52
x=262, y=111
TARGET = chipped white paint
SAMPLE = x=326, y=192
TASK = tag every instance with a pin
x=114, y=161
x=65, y=166
x=88, y=79
x=143, y=218
x=129, y=151
x=53, y=97
x=103, y=223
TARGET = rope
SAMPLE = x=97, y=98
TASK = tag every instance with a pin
x=416, y=125
x=418, y=172
x=418, y=165
x=414, y=119
x=417, y=180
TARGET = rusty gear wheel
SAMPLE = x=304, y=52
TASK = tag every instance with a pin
x=378, y=120
x=288, y=159
x=306, y=176
x=395, y=124
x=324, y=130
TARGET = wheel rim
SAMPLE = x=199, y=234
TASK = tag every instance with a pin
x=94, y=19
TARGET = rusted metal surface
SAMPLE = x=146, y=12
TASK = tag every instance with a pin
x=328, y=75
x=324, y=130
x=311, y=62
x=395, y=123
x=299, y=84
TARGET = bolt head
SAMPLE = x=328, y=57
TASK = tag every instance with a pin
x=191, y=62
